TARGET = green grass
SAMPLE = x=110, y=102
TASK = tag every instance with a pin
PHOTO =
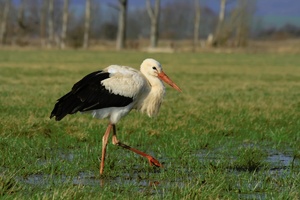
x=216, y=139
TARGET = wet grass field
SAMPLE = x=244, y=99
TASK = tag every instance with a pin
x=234, y=131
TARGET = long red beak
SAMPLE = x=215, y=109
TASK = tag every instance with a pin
x=167, y=80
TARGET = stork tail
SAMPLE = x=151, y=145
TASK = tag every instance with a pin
x=68, y=104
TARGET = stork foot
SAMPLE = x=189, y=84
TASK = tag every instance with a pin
x=153, y=161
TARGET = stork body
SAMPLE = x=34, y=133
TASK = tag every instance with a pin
x=112, y=93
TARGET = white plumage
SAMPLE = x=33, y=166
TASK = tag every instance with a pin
x=124, y=81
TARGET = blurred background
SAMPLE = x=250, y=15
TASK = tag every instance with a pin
x=152, y=25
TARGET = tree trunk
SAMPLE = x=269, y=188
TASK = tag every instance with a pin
x=196, y=25
x=222, y=11
x=121, y=36
x=154, y=18
x=244, y=16
x=64, y=24
x=218, y=33
x=4, y=21
x=50, y=23
x=43, y=23
x=87, y=24
x=21, y=16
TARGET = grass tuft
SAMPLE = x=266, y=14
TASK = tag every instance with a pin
x=249, y=159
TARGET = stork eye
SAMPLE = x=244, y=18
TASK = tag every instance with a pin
x=154, y=68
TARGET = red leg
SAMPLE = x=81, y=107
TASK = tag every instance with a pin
x=115, y=141
x=104, y=144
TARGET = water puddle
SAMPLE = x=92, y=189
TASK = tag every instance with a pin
x=280, y=160
x=84, y=178
x=275, y=160
x=277, y=163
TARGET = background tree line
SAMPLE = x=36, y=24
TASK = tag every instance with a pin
x=56, y=23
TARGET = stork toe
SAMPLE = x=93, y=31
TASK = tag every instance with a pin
x=153, y=161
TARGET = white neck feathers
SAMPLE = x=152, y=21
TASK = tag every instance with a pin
x=152, y=101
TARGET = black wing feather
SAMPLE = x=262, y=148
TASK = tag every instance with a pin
x=88, y=94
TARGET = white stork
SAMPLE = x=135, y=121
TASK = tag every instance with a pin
x=112, y=93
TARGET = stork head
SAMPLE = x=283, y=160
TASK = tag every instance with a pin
x=153, y=68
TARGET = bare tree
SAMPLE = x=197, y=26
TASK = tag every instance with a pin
x=154, y=18
x=4, y=21
x=222, y=10
x=218, y=33
x=21, y=15
x=24, y=27
x=87, y=21
x=196, y=24
x=50, y=23
x=29, y=18
x=121, y=35
x=43, y=12
x=64, y=24
x=243, y=16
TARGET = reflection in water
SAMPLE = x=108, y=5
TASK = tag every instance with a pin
x=84, y=179
x=153, y=183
